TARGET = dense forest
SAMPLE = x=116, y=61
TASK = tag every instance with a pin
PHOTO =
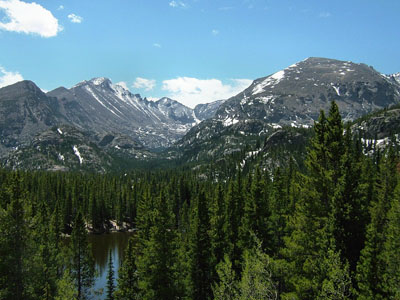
x=329, y=230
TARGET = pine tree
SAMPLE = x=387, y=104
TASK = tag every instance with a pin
x=217, y=221
x=110, y=279
x=127, y=288
x=350, y=204
x=45, y=261
x=312, y=238
x=370, y=266
x=82, y=262
x=390, y=254
x=227, y=287
x=157, y=260
x=256, y=282
x=13, y=244
x=234, y=213
x=201, y=255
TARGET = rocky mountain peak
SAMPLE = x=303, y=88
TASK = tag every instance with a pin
x=20, y=89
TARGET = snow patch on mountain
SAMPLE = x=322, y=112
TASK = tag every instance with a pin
x=336, y=89
x=78, y=154
x=230, y=121
x=269, y=81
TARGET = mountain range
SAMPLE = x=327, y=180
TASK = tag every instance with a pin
x=97, y=124
x=291, y=97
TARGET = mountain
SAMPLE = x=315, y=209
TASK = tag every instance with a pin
x=65, y=148
x=208, y=110
x=100, y=106
x=111, y=119
x=291, y=97
x=25, y=111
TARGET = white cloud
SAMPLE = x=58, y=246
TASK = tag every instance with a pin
x=192, y=91
x=143, y=83
x=177, y=4
x=215, y=32
x=29, y=18
x=7, y=78
x=75, y=19
x=324, y=15
x=157, y=45
x=61, y=7
x=123, y=84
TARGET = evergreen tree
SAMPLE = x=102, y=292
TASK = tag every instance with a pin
x=227, y=287
x=65, y=287
x=157, y=260
x=201, y=255
x=13, y=244
x=127, y=288
x=82, y=262
x=350, y=204
x=312, y=238
x=391, y=255
x=370, y=266
x=217, y=223
x=45, y=261
x=110, y=279
x=256, y=282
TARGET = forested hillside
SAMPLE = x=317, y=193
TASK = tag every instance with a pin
x=329, y=230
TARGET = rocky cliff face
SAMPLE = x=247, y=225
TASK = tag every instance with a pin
x=100, y=106
x=25, y=111
x=294, y=96
x=110, y=120
x=291, y=97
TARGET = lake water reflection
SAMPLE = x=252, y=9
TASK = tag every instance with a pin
x=101, y=246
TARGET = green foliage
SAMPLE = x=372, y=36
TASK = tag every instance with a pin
x=390, y=254
x=127, y=288
x=227, y=288
x=157, y=260
x=110, y=279
x=65, y=288
x=82, y=262
x=255, y=282
x=201, y=255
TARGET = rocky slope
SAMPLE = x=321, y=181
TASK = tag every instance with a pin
x=100, y=106
x=291, y=97
x=25, y=111
x=107, y=116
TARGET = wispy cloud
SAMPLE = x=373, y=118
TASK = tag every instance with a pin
x=123, y=84
x=192, y=91
x=61, y=7
x=324, y=15
x=7, y=78
x=28, y=18
x=143, y=83
x=75, y=19
x=178, y=4
x=157, y=45
x=214, y=32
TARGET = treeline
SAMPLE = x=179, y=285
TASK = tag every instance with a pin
x=330, y=232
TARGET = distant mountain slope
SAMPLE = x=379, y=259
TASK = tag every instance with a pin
x=291, y=97
x=108, y=116
x=25, y=111
x=100, y=106
x=208, y=110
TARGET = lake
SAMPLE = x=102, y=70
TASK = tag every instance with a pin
x=101, y=246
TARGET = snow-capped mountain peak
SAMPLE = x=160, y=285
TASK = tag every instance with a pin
x=106, y=107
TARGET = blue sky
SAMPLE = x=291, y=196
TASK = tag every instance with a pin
x=191, y=50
